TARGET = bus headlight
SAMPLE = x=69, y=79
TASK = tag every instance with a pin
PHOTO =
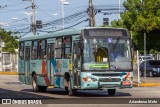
x=89, y=79
x=128, y=79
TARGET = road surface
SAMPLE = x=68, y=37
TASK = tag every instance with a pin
x=11, y=88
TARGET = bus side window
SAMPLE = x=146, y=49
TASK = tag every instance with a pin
x=50, y=53
x=27, y=54
x=67, y=47
x=76, y=56
x=34, y=50
x=42, y=49
x=21, y=51
x=58, y=48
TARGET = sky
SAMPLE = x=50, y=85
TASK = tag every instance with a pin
x=12, y=16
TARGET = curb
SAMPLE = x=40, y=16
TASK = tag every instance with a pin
x=9, y=73
x=146, y=84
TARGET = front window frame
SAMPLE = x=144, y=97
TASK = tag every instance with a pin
x=109, y=62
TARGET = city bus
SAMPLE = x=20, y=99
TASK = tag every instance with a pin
x=83, y=59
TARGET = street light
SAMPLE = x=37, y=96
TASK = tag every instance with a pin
x=119, y=8
x=55, y=14
x=64, y=2
x=14, y=18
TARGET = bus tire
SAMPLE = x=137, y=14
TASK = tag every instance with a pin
x=71, y=91
x=37, y=88
x=66, y=85
x=66, y=89
x=111, y=92
x=34, y=84
x=42, y=88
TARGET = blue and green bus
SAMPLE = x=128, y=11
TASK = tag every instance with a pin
x=85, y=59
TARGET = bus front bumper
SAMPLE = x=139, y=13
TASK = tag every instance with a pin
x=106, y=85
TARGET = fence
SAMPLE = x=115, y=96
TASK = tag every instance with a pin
x=9, y=62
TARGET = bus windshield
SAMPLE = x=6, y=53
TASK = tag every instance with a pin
x=106, y=54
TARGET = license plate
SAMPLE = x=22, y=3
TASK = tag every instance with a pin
x=126, y=83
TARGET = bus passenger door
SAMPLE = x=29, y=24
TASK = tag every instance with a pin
x=50, y=57
x=27, y=65
x=76, y=64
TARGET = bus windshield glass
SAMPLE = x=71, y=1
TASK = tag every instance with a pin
x=106, y=54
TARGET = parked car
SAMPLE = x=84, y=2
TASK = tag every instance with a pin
x=143, y=58
x=152, y=68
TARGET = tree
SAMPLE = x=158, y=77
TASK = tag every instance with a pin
x=142, y=16
x=118, y=24
x=10, y=41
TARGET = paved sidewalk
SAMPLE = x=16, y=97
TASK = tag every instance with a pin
x=9, y=73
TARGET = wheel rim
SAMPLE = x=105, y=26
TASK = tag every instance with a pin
x=34, y=84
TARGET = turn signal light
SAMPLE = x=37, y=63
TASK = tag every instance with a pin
x=89, y=79
x=84, y=79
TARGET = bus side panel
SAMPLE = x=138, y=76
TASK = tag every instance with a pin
x=39, y=68
x=21, y=72
x=60, y=66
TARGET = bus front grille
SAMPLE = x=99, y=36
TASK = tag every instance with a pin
x=109, y=80
x=108, y=85
x=105, y=75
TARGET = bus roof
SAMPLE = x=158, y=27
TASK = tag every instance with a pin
x=61, y=33
x=51, y=35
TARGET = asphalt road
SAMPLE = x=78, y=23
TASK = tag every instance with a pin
x=11, y=88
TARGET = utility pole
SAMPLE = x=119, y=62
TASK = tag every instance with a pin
x=64, y=2
x=119, y=14
x=91, y=14
x=33, y=16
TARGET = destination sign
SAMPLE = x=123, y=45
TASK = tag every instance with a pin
x=105, y=32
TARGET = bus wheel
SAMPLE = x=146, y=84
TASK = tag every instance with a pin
x=66, y=85
x=66, y=88
x=42, y=88
x=34, y=84
x=111, y=92
x=71, y=91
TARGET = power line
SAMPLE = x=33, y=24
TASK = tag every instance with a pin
x=75, y=17
x=66, y=27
